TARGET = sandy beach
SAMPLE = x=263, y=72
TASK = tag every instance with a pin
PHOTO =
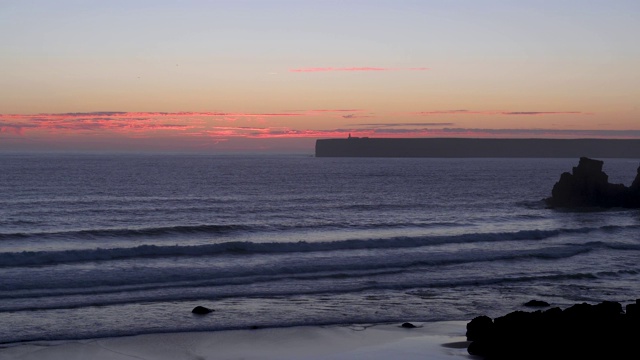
x=437, y=340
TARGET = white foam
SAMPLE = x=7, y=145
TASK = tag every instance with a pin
x=438, y=340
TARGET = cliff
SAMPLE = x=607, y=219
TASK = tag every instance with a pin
x=474, y=147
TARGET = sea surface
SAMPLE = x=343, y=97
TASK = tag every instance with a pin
x=109, y=245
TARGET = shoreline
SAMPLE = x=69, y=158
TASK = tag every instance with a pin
x=432, y=340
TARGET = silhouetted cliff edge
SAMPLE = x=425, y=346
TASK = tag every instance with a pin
x=472, y=147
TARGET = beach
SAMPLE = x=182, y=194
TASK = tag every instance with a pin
x=433, y=340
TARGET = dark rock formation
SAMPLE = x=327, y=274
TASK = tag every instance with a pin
x=582, y=331
x=201, y=310
x=408, y=325
x=536, y=303
x=588, y=186
x=635, y=186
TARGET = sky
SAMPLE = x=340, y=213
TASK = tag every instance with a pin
x=273, y=76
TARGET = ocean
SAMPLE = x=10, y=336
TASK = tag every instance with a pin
x=101, y=245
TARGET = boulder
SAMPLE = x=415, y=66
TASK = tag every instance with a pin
x=588, y=186
x=481, y=327
x=201, y=310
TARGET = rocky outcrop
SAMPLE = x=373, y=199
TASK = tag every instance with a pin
x=582, y=331
x=588, y=186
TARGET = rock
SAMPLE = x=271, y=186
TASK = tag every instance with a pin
x=201, y=310
x=536, y=303
x=635, y=186
x=633, y=310
x=588, y=186
x=608, y=309
x=408, y=325
x=481, y=348
x=582, y=331
x=479, y=328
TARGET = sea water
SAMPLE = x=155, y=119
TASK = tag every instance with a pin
x=109, y=245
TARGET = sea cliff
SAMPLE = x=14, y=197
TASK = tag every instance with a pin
x=475, y=147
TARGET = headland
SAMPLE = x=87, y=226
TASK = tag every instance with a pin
x=478, y=148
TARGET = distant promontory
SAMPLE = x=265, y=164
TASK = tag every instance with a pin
x=478, y=148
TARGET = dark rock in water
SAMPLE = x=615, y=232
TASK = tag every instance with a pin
x=201, y=310
x=582, y=331
x=408, y=325
x=536, y=303
x=589, y=186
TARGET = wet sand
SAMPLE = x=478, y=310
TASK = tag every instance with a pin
x=435, y=341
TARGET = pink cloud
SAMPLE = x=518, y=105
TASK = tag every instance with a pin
x=90, y=122
x=14, y=128
x=160, y=124
x=274, y=132
x=390, y=132
x=354, y=69
x=125, y=122
x=356, y=116
x=192, y=129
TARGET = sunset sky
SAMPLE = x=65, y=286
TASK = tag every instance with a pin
x=219, y=76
